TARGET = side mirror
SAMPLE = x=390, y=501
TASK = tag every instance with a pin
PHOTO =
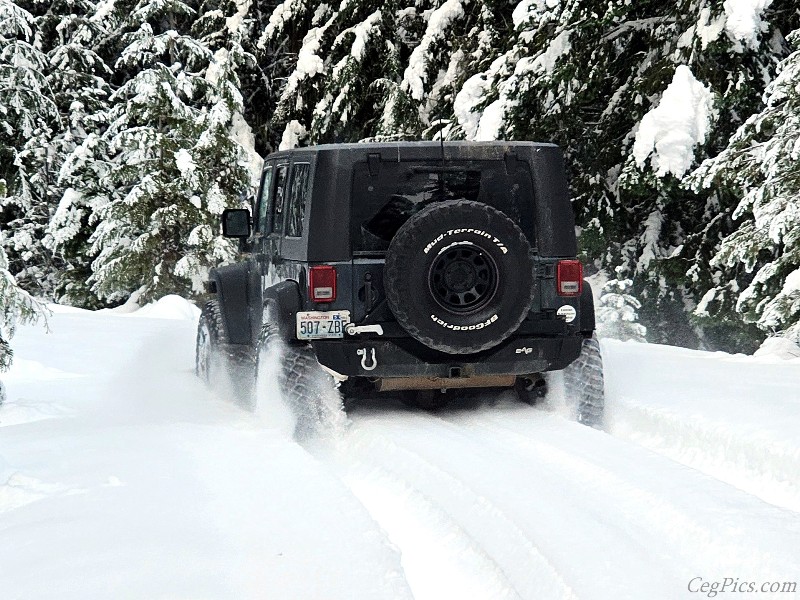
x=236, y=222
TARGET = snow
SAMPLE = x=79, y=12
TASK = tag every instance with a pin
x=669, y=132
x=215, y=200
x=292, y=134
x=779, y=347
x=483, y=125
x=546, y=61
x=280, y=15
x=649, y=240
x=791, y=285
x=103, y=11
x=66, y=222
x=363, y=31
x=527, y=8
x=121, y=475
x=216, y=65
x=708, y=29
x=702, y=306
x=471, y=94
x=491, y=121
x=185, y=164
x=731, y=416
x=308, y=62
x=235, y=21
x=743, y=19
x=416, y=74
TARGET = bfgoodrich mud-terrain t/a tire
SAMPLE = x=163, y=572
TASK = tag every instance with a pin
x=309, y=391
x=584, y=384
x=226, y=367
x=210, y=334
x=459, y=276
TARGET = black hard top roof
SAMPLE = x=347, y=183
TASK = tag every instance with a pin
x=425, y=149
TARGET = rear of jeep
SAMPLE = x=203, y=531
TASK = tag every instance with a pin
x=427, y=268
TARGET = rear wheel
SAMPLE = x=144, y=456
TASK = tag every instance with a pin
x=310, y=392
x=584, y=384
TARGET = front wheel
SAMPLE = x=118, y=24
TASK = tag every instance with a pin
x=210, y=334
x=584, y=384
x=227, y=368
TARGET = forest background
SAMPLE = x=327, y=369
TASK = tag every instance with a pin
x=127, y=126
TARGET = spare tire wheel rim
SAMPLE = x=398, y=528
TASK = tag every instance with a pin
x=463, y=278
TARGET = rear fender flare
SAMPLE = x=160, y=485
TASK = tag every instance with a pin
x=587, y=309
x=281, y=304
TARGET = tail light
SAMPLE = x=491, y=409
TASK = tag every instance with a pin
x=322, y=283
x=569, y=278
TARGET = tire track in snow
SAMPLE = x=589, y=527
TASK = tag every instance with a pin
x=510, y=560
x=546, y=513
x=655, y=495
x=572, y=510
x=440, y=559
x=768, y=469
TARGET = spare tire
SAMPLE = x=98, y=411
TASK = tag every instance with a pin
x=459, y=276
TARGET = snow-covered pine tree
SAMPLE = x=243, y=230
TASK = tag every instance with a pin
x=78, y=79
x=346, y=63
x=28, y=120
x=16, y=307
x=377, y=70
x=228, y=30
x=585, y=74
x=617, y=314
x=757, y=268
x=167, y=163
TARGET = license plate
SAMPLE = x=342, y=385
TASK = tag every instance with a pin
x=317, y=325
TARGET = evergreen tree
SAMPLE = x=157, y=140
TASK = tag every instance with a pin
x=78, y=79
x=346, y=64
x=369, y=70
x=617, y=314
x=586, y=74
x=175, y=167
x=166, y=166
x=28, y=120
x=16, y=307
x=757, y=268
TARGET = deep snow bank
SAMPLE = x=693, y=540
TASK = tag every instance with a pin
x=734, y=417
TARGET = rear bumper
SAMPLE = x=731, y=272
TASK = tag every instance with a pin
x=399, y=357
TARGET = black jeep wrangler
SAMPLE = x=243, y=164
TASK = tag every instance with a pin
x=413, y=268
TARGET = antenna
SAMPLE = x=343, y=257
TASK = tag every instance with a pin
x=441, y=146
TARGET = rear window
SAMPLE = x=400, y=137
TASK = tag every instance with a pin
x=298, y=197
x=383, y=201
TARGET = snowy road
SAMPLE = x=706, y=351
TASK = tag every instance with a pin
x=121, y=476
